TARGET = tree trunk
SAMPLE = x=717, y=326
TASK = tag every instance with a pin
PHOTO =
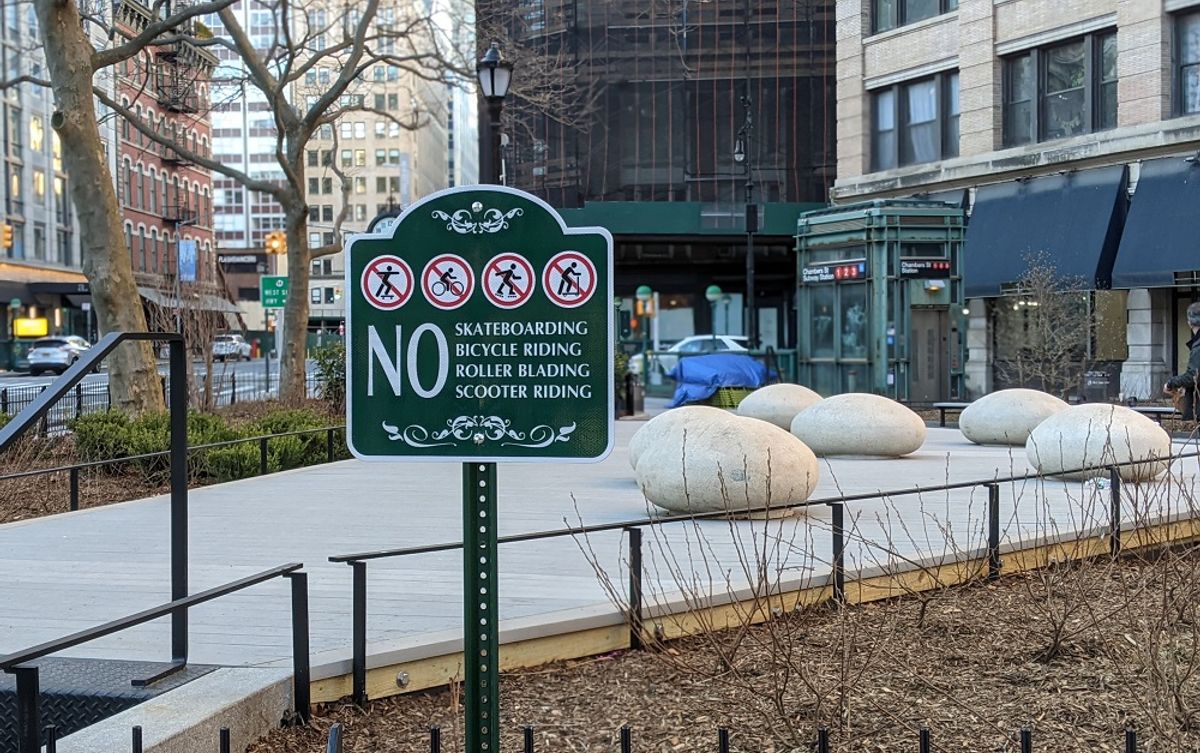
x=293, y=351
x=133, y=375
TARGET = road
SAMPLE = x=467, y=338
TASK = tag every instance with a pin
x=235, y=382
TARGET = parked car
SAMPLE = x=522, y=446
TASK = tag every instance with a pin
x=56, y=353
x=697, y=345
x=231, y=347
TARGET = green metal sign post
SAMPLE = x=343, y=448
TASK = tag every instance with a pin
x=479, y=330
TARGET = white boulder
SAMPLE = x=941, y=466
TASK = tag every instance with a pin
x=725, y=463
x=1007, y=416
x=1096, y=435
x=777, y=403
x=668, y=427
x=859, y=424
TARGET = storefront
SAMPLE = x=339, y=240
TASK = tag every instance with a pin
x=880, y=299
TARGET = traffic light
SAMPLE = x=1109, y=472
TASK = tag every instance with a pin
x=6, y=235
x=276, y=242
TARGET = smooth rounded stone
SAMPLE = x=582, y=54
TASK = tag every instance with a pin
x=726, y=463
x=859, y=424
x=1007, y=416
x=1096, y=435
x=668, y=427
x=777, y=403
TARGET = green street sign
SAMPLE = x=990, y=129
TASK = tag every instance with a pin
x=479, y=328
x=273, y=291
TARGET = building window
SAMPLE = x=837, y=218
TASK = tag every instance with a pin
x=888, y=14
x=1187, y=60
x=915, y=122
x=329, y=298
x=314, y=295
x=1062, y=90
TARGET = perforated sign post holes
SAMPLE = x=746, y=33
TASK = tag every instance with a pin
x=479, y=331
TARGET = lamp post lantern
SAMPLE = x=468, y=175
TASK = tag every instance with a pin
x=495, y=74
x=714, y=294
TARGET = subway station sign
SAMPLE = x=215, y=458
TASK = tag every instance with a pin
x=480, y=329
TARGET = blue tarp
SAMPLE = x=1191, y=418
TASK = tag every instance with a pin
x=699, y=377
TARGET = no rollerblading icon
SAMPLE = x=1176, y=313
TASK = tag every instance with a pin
x=387, y=282
x=447, y=281
x=569, y=279
x=508, y=280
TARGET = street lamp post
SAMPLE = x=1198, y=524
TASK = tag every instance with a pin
x=495, y=74
x=644, y=295
x=741, y=155
x=714, y=294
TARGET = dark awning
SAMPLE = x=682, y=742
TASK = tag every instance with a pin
x=1074, y=219
x=1160, y=235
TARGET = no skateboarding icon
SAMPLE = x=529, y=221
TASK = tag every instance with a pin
x=387, y=282
x=508, y=280
x=569, y=279
x=447, y=281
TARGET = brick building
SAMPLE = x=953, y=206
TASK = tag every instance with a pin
x=1065, y=129
x=166, y=200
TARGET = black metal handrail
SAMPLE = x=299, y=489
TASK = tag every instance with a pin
x=358, y=561
x=177, y=404
x=28, y=692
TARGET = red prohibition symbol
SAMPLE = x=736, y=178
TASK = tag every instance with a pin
x=447, y=281
x=387, y=282
x=569, y=279
x=508, y=280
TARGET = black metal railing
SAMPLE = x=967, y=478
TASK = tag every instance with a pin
x=837, y=578
x=263, y=441
x=177, y=403
x=19, y=663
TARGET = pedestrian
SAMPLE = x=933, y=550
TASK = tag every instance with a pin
x=1186, y=385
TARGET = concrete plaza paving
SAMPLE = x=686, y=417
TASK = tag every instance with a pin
x=67, y=572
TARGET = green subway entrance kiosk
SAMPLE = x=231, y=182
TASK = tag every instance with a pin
x=880, y=300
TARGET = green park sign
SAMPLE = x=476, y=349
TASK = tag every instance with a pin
x=273, y=291
x=479, y=328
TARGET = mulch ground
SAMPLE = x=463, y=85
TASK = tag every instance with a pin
x=973, y=664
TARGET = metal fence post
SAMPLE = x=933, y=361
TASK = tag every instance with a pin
x=78, y=400
x=179, y=497
x=233, y=401
x=839, y=553
x=626, y=739
x=51, y=736
x=136, y=742
x=722, y=740
x=4, y=400
x=635, y=588
x=528, y=735
x=334, y=744
x=224, y=740
x=924, y=745
x=1114, y=521
x=823, y=740
x=1130, y=740
x=1026, y=740
x=28, y=709
x=300, y=654
x=993, y=545
x=74, y=476
x=329, y=444
x=435, y=740
x=262, y=456
x=358, y=640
